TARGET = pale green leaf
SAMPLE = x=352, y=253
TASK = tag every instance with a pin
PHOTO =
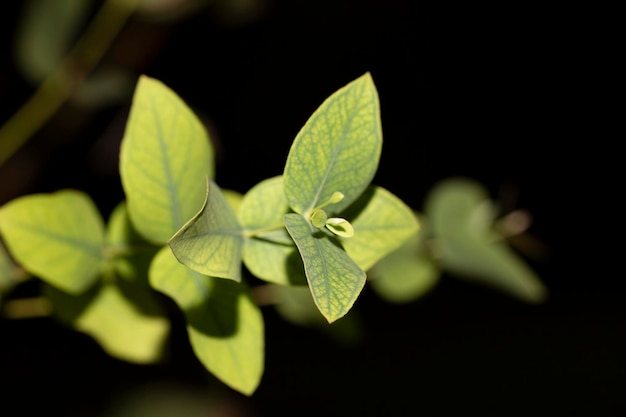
x=225, y=327
x=268, y=252
x=129, y=252
x=406, y=273
x=334, y=279
x=382, y=223
x=337, y=150
x=462, y=223
x=211, y=243
x=57, y=237
x=165, y=158
x=125, y=319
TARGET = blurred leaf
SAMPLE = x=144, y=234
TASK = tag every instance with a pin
x=130, y=252
x=296, y=305
x=462, y=220
x=165, y=158
x=10, y=275
x=45, y=34
x=382, y=223
x=125, y=319
x=337, y=150
x=269, y=254
x=57, y=237
x=211, y=243
x=169, y=10
x=405, y=274
x=104, y=87
x=225, y=327
x=334, y=279
x=234, y=199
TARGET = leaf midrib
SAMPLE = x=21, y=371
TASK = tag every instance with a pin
x=335, y=152
x=90, y=249
x=175, y=212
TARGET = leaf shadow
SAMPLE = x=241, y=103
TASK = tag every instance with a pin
x=354, y=210
x=217, y=315
x=295, y=268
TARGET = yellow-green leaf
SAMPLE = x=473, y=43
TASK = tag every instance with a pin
x=334, y=279
x=269, y=253
x=125, y=319
x=57, y=237
x=336, y=151
x=225, y=327
x=211, y=243
x=382, y=223
x=165, y=158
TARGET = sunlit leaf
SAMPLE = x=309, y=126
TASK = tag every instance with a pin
x=225, y=327
x=406, y=273
x=337, y=150
x=270, y=253
x=125, y=319
x=57, y=237
x=45, y=33
x=382, y=223
x=462, y=223
x=211, y=243
x=334, y=279
x=165, y=158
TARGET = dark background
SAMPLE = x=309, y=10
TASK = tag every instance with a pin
x=496, y=92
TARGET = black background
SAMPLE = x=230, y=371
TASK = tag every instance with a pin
x=497, y=92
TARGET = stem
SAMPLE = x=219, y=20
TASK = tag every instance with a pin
x=259, y=232
x=59, y=85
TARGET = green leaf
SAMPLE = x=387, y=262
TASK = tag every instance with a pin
x=406, y=273
x=268, y=252
x=382, y=223
x=129, y=252
x=337, y=150
x=334, y=279
x=225, y=327
x=57, y=237
x=165, y=158
x=211, y=243
x=462, y=223
x=125, y=319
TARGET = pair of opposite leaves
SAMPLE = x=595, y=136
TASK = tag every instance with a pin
x=341, y=226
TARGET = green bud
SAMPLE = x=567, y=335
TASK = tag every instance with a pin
x=340, y=227
x=318, y=218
